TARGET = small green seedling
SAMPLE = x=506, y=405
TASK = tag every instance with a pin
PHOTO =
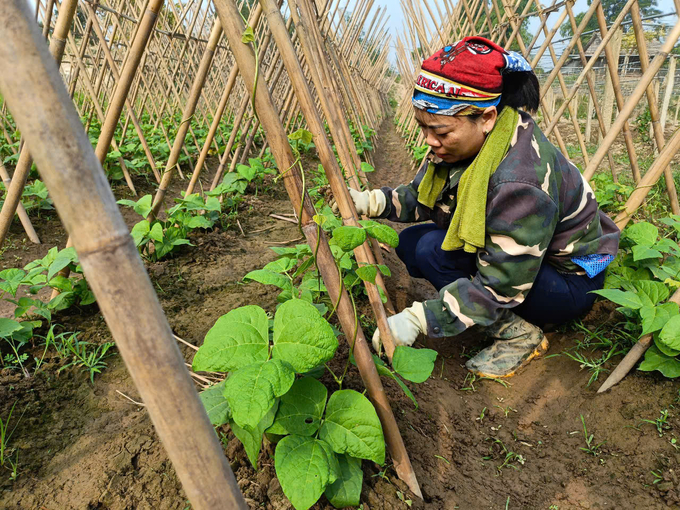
x=590, y=448
x=661, y=423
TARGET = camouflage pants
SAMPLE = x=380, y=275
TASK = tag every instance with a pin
x=555, y=297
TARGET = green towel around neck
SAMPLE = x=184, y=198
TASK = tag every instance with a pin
x=468, y=225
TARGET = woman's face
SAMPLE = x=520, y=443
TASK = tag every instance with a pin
x=455, y=138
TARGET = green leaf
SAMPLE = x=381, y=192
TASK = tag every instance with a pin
x=215, y=404
x=414, y=365
x=348, y=238
x=252, y=439
x=627, y=299
x=642, y=252
x=656, y=360
x=281, y=265
x=248, y=172
x=305, y=467
x=301, y=409
x=664, y=348
x=385, y=270
x=8, y=326
x=269, y=278
x=352, y=426
x=367, y=273
x=302, y=337
x=12, y=278
x=656, y=292
x=63, y=259
x=670, y=334
x=237, y=339
x=384, y=234
x=642, y=233
x=303, y=135
x=654, y=318
x=346, y=490
x=140, y=231
x=366, y=168
x=248, y=35
x=252, y=390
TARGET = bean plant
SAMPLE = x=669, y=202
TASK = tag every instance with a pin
x=640, y=280
x=271, y=391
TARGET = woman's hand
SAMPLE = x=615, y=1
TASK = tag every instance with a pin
x=405, y=326
x=367, y=203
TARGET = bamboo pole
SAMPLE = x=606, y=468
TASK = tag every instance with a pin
x=287, y=164
x=651, y=99
x=233, y=74
x=21, y=210
x=23, y=167
x=111, y=264
x=632, y=100
x=187, y=114
x=612, y=58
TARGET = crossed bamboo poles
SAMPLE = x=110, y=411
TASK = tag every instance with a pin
x=271, y=124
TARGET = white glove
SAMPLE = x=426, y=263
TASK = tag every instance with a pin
x=369, y=203
x=405, y=326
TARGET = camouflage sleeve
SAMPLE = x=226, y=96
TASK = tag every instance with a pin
x=520, y=223
x=402, y=201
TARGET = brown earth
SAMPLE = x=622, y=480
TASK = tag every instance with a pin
x=83, y=446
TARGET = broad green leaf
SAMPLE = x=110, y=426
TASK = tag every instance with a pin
x=281, y=265
x=348, y=238
x=12, y=278
x=213, y=204
x=385, y=270
x=140, y=231
x=8, y=326
x=63, y=259
x=670, y=334
x=366, y=168
x=301, y=409
x=655, y=317
x=303, y=135
x=199, y=222
x=215, y=404
x=656, y=360
x=305, y=467
x=252, y=439
x=252, y=390
x=655, y=291
x=664, y=348
x=62, y=301
x=352, y=426
x=367, y=273
x=237, y=339
x=414, y=365
x=627, y=299
x=302, y=337
x=642, y=233
x=346, y=490
x=384, y=234
x=642, y=252
x=269, y=278
x=248, y=172
x=666, y=245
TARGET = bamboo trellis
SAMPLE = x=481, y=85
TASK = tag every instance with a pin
x=161, y=75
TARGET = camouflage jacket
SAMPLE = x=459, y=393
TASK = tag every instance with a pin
x=539, y=209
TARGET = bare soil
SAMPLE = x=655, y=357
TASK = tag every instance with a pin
x=84, y=446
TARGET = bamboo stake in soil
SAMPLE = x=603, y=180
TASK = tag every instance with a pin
x=23, y=168
x=189, y=110
x=233, y=28
x=46, y=116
